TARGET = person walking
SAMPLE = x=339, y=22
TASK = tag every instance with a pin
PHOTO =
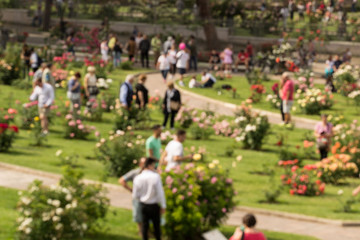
x=153, y=143
x=34, y=60
x=168, y=44
x=142, y=93
x=182, y=64
x=90, y=85
x=74, y=92
x=156, y=47
x=323, y=132
x=25, y=56
x=227, y=58
x=171, y=104
x=131, y=48
x=39, y=73
x=126, y=92
x=248, y=230
x=47, y=75
x=104, y=49
x=163, y=64
x=172, y=60
x=124, y=180
x=287, y=96
x=193, y=53
x=148, y=190
x=117, y=53
x=173, y=155
x=138, y=39
x=44, y=93
x=144, y=51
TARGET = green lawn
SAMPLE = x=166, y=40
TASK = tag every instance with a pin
x=248, y=182
x=117, y=225
x=342, y=105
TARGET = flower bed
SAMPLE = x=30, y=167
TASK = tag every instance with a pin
x=345, y=79
x=76, y=129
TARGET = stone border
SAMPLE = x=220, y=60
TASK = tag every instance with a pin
x=343, y=223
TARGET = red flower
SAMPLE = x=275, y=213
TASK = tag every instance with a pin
x=4, y=126
x=14, y=128
x=279, y=143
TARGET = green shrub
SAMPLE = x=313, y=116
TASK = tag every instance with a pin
x=120, y=152
x=128, y=65
x=64, y=211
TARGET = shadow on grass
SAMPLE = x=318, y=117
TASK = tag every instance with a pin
x=350, y=212
x=18, y=153
x=105, y=236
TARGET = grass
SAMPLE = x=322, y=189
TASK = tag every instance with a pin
x=248, y=182
x=342, y=105
x=117, y=225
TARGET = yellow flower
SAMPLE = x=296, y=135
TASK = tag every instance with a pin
x=63, y=84
x=36, y=118
x=32, y=126
x=211, y=165
x=197, y=157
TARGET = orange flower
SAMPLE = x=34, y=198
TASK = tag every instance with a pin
x=277, y=60
x=343, y=149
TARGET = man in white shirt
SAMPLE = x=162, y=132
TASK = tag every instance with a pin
x=44, y=93
x=163, y=64
x=207, y=79
x=182, y=63
x=174, y=152
x=148, y=189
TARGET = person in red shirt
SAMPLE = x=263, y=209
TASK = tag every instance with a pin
x=249, y=231
x=287, y=96
x=243, y=58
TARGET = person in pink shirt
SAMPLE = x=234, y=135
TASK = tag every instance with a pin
x=227, y=59
x=323, y=133
x=249, y=232
x=287, y=95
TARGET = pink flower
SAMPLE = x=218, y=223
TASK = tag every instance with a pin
x=81, y=127
x=97, y=134
x=72, y=135
x=182, y=197
x=174, y=190
x=223, y=210
x=213, y=180
x=68, y=117
x=189, y=194
x=71, y=123
x=169, y=181
x=229, y=181
x=78, y=121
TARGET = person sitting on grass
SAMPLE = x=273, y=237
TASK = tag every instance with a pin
x=242, y=58
x=248, y=231
x=193, y=83
x=208, y=80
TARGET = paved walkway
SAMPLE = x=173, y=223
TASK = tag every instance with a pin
x=155, y=85
x=12, y=176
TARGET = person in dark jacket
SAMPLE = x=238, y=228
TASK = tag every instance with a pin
x=144, y=47
x=126, y=92
x=142, y=94
x=171, y=104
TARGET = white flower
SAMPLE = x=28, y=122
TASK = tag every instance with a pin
x=102, y=140
x=49, y=201
x=56, y=203
x=25, y=200
x=340, y=192
x=46, y=217
x=58, y=153
x=20, y=193
x=239, y=158
x=98, y=145
x=111, y=138
x=59, y=211
x=68, y=206
x=74, y=203
x=55, y=218
x=119, y=132
x=84, y=226
x=216, y=162
x=109, y=80
x=68, y=197
x=27, y=213
x=58, y=226
x=27, y=231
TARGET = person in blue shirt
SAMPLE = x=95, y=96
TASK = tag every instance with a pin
x=74, y=91
x=126, y=92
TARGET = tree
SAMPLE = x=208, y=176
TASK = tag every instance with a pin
x=47, y=15
x=208, y=24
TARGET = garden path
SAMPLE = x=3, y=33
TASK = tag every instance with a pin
x=156, y=85
x=12, y=176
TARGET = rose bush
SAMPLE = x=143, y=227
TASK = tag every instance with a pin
x=312, y=101
x=76, y=129
x=120, y=152
x=345, y=79
x=7, y=136
x=198, y=197
x=65, y=211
